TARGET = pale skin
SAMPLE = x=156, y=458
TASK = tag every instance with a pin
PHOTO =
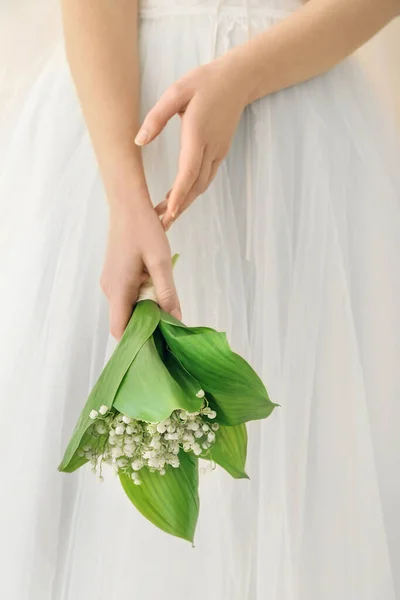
x=210, y=101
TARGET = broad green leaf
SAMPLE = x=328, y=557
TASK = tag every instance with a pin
x=75, y=463
x=169, y=319
x=141, y=326
x=186, y=381
x=171, y=501
x=150, y=392
x=238, y=392
x=87, y=440
x=230, y=450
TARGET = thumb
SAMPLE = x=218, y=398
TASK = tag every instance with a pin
x=164, y=285
x=172, y=102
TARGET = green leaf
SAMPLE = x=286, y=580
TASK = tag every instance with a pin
x=171, y=501
x=230, y=450
x=167, y=318
x=186, y=381
x=150, y=393
x=87, y=440
x=229, y=381
x=141, y=326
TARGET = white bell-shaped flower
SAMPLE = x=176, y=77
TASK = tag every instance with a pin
x=100, y=428
x=197, y=449
x=174, y=462
x=137, y=464
x=116, y=452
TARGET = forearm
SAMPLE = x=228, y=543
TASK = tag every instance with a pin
x=312, y=40
x=101, y=45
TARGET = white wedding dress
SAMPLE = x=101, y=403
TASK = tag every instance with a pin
x=295, y=252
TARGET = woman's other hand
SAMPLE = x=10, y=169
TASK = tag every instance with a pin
x=210, y=100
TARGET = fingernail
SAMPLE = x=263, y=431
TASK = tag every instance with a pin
x=142, y=137
x=176, y=313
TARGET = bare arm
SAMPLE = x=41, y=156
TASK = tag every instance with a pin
x=312, y=40
x=211, y=98
x=101, y=43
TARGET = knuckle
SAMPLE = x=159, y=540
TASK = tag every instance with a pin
x=167, y=294
x=167, y=298
x=161, y=263
x=158, y=265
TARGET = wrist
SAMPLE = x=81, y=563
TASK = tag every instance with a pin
x=254, y=77
x=126, y=186
x=231, y=72
x=130, y=198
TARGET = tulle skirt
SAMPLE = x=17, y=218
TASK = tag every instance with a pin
x=295, y=252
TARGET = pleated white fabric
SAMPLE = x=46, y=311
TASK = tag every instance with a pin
x=295, y=252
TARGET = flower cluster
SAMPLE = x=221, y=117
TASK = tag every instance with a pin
x=129, y=445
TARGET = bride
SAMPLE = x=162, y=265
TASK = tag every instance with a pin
x=276, y=177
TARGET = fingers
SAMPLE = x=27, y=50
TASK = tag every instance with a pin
x=162, y=206
x=198, y=187
x=190, y=164
x=163, y=281
x=172, y=102
x=201, y=184
x=213, y=171
x=121, y=307
x=121, y=288
x=208, y=171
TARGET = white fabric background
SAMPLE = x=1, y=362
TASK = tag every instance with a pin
x=381, y=59
x=317, y=520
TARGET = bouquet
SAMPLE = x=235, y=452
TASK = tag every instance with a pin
x=169, y=396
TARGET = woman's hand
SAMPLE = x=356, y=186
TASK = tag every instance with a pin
x=210, y=101
x=137, y=248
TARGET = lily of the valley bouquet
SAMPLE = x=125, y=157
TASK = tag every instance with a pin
x=169, y=396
